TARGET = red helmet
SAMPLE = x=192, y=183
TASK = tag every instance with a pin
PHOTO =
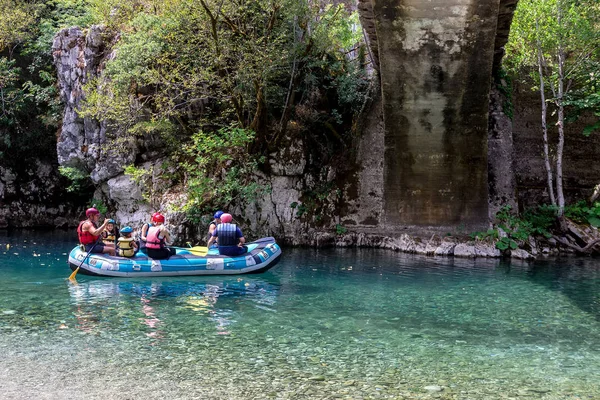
x=226, y=218
x=91, y=211
x=158, y=217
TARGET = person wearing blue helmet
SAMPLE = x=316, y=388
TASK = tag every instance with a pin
x=213, y=224
x=126, y=245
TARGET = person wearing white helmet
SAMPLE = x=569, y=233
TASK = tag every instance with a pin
x=231, y=238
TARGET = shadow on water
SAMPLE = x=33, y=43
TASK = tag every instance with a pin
x=576, y=278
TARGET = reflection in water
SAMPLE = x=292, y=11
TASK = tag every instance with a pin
x=335, y=323
x=210, y=299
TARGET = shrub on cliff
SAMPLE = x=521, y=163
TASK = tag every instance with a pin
x=187, y=72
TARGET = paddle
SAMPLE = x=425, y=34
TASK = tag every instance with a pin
x=72, y=276
x=196, y=250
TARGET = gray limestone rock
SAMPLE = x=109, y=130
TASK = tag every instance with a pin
x=465, y=250
x=486, y=250
x=445, y=249
x=79, y=57
x=521, y=254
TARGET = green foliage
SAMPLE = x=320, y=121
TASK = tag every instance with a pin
x=15, y=24
x=537, y=221
x=506, y=243
x=80, y=180
x=99, y=205
x=482, y=235
x=533, y=222
x=212, y=84
x=218, y=170
x=565, y=34
x=210, y=63
x=142, y=177
x=583, y=213
x=340, y=229
x=31, y=110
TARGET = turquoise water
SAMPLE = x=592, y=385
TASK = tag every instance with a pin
x=323, y=324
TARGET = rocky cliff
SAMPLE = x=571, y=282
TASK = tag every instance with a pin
x=333, y=206
x=34, y=197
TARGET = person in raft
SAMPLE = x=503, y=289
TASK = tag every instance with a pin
x=126, y=245
x=158, y=238
x=89, y=233
x=213, y=225
x=109, y=236
x=231, y=238
x=144, y=233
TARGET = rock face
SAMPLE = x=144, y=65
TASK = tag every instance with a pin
x=79, y=57
x=34, y=198
x=502, y=187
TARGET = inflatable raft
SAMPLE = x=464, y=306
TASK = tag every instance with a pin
x=262, y=255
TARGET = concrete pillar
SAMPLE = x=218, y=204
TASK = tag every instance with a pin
x=435, y=64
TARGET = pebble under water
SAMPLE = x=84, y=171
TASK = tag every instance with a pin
x=323, y=324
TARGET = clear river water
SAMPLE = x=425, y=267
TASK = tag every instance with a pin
x=323, y=324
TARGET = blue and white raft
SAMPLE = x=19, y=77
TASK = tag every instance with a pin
x=262, y=255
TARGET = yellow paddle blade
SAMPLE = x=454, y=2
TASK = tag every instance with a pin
x=200, y=253
x=72, y=276
x=198, y=248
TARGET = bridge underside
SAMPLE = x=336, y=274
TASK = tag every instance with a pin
x=435, y=59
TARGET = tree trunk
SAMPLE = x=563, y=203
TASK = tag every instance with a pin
x=561, y=119
x=544, y=125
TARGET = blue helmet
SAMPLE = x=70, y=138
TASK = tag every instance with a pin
x=111, y=221
x=126, y=230
x=218, y=214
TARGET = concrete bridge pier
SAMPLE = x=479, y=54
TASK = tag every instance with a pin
x=435, y=62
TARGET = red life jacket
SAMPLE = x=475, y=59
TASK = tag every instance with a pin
x=153, y=241
x=86, y=237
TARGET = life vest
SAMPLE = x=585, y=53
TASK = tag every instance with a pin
x=86, y=237
x=125, y=246
x=209, y=225
x=153, y=241
x=142, y=241
x=227, y=235
x=108, y=237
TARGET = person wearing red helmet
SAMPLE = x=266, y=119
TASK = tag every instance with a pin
x=231, y=238
x=89, y=233
x=158, y=238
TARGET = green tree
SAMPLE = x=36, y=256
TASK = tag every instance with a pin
x=558, y=41
x=190, y=71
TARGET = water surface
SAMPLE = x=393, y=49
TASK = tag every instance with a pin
x=323, y=324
